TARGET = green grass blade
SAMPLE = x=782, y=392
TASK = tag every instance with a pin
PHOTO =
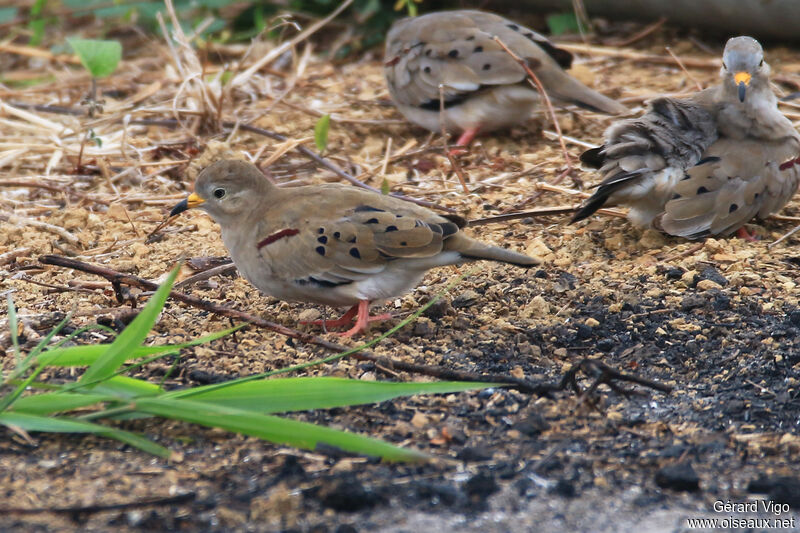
x=132, y=336
x=124, y=387
x=272, y=428
x=300, y=394
x=87, y=355
x=49, y=424
x=56, y=402
x=321, y=129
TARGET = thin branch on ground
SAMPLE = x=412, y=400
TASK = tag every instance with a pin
x=523, y=385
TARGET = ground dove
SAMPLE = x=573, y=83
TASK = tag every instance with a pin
x=484, y=88
x=331, y=244
x=706, y=164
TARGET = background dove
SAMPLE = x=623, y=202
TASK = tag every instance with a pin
x=484, y=87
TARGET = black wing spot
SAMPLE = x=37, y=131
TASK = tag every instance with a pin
x=529, y=35
x=355, y=253
x=676, y=196
x=453, y=53
x=336, y=234
x=428, y=52
x=712, y=159
x=513, y=27
x=756, y=196
x=363, y=208
x=321, y=250
x=352, y=239
x=686, y=176
x=323, y=240
x=403, y=243
x=371, y=221
x=733, y=208
x=323, y=283
x=478, y=49
x=471, y=38
x=702, y=190
x=487, y=66
x=391, y=228
x=321, y=230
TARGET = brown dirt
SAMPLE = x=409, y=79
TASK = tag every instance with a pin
x=720, y=323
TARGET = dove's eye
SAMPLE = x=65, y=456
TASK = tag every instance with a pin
x=219, y=193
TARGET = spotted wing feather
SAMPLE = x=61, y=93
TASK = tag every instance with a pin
x=738, y=181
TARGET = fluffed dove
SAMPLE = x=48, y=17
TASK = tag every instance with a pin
x=706, y=164
x=484, y=88
x=331, y=244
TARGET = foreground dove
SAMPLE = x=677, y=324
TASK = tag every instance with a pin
x=331, y=244
x=484, y=88
x=707, y=164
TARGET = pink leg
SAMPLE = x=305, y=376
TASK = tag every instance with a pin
x=742, y=233
x=464, y=140
x=344, y=320
x=363, y=320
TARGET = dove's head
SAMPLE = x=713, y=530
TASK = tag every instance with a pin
x=743, y=65
x=227, y=190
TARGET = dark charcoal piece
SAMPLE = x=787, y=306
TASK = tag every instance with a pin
x=605, y=345
x=565, y=488
x=679, y=476
x=438, y=493
x=674, y=273
x=474, y=453
x=712, y=274
x=532, y=425
x=347, y=494
x=693, y=301
x=780, y=489
x=584, y=332
x=481, y=486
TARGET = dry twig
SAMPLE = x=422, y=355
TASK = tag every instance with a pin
x=523, y=385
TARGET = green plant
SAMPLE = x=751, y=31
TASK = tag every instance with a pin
x=321, y=129
x=100, y=58
x=244, y=405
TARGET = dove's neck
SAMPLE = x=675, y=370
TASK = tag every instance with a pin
x=757, y=117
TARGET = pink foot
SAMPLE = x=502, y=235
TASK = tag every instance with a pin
x=466, y=137
x=742, y=233
x=363, y=320
x=343, y=321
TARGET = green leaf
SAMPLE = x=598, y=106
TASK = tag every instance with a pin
x=301, y=394
x=56, y=402
x=131, y=337
x=560, y=23
x=124, y=387
x=273, y=428
x=86, y=355
x=49, y=424
x=321, y=132
x=99, y=57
